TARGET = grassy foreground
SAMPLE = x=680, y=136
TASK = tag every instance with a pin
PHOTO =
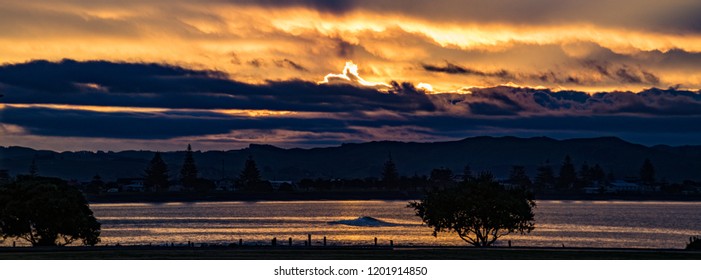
x=342, y=253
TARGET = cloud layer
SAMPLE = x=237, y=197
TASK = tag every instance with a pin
x=590, y=46
x=128, y=104
x=158, y=73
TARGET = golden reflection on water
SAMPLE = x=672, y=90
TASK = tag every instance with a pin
x=570, y=223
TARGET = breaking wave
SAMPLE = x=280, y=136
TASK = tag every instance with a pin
x=363, y=221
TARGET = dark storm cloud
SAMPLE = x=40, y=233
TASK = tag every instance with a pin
x=61, y=77
x=622, y=73
x=153, y=85
x=336, y=6
x=528, y=102
x=189, y=95
x=53, y=122
x=286, y=63
x=451, y=68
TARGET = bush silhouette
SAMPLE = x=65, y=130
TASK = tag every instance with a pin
x=480, y=211
x=46, y=212
x=694, y=243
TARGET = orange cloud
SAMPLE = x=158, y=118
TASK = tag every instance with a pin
x=389, y=45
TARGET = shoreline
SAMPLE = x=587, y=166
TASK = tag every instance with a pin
x=344, y=253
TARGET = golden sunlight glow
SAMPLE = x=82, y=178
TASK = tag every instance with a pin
x=249, y=43
x=487, y=37
x=151, y=110
x=424, y=86
x=350, y=74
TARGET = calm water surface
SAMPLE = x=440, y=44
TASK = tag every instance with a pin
x=572, y=223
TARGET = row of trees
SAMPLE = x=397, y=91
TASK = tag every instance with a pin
x=568, y=178
x=156, y=176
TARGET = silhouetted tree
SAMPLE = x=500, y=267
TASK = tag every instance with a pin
x=647, y=173
x=96, y=185
x=250, y=178
x=156, y=178
x=33, y=168
x=568, y=175
x=519, y=178
x=188, y=172
x=694, y=243
x=480, y=211
x=585, y=176
x=46, y=212
x=545, y=178
x=390, y=176
x=598, y=174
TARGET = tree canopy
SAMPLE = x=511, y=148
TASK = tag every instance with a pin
x=545, y=178
x=480, y=211
x=250, y=178
x=568, y=174
x=188, y=173
x=519, y=178
x=46, y=212
x=156, y=177
x=390, y=175
x=647, y=172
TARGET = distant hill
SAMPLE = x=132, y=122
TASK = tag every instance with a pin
x=496, y=154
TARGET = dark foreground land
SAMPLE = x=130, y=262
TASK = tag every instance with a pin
x=343, y=253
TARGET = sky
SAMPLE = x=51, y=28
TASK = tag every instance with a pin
x=221, y=74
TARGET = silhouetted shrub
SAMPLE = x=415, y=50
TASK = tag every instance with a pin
x=694, y=243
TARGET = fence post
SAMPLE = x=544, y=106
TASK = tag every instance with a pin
x=290, y=241
x=391, y=243
x=375, y=241
x=309, y=239
x=274, y=241
x=324, y=240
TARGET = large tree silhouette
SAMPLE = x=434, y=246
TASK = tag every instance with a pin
x=188, y=172
x=156, y=178
x=545, y=177
x=390, y=175
x=480, y=211
x=46, y=212
x=250, y=178
x=568, y=174
x=519, y=178
x=647, y=173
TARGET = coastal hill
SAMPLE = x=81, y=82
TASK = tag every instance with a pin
x=496, y=154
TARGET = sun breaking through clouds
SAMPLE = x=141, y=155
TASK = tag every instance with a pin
x=155, y=73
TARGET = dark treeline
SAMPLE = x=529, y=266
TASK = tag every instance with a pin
x=564, y=178
x=550, y=178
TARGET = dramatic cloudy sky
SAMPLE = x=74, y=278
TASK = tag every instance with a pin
x=157, y=74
